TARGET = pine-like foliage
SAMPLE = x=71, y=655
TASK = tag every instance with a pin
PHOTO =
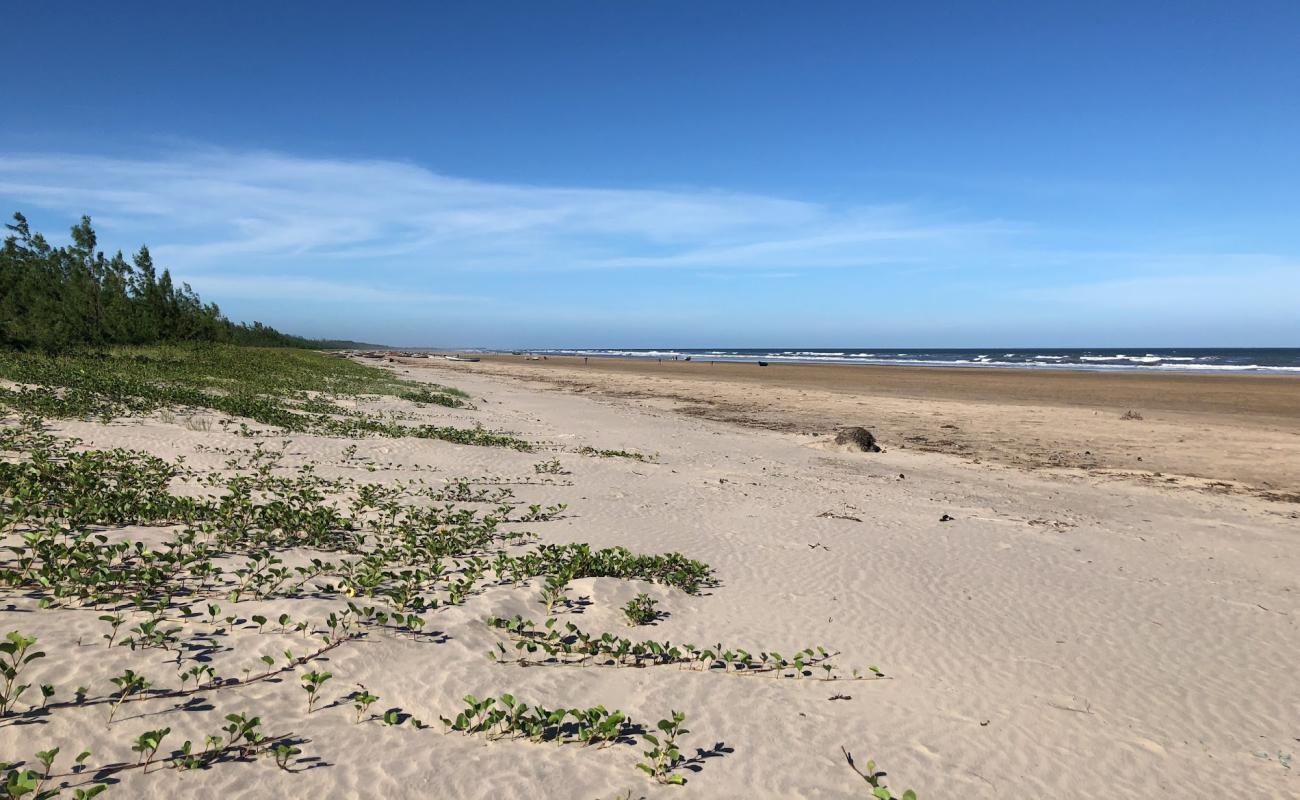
x=58, y=298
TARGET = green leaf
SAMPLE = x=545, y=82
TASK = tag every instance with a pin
x=21, y=783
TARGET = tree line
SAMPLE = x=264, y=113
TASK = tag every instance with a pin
x=60, y=298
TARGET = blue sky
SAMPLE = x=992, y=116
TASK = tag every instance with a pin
x=682, y=174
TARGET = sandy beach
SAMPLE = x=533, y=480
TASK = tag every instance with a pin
x=897, y=401
x=1222, y=432
x=1045, y=628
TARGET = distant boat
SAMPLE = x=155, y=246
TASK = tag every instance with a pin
x=461, y=358
x=516, y=352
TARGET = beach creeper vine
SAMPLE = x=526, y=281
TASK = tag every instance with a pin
x=568, y=644
x=508, y=717
x=641, y=610
x=397, y=556
x=240, y=739
x=664, y=757
x=875, y=779
x=288, y=391
x=16, y=654
x=235, y=545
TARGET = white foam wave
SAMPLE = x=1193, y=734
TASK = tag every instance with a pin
x=1114, y=362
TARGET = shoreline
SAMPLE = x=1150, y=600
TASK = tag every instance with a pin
x=1268, y=394
x=973, y=364
x=1226, y=432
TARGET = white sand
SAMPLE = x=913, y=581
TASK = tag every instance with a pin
x=1065, y=635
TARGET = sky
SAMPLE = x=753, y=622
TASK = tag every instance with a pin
x=681, y=174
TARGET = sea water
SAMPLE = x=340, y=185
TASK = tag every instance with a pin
x=1160, y=359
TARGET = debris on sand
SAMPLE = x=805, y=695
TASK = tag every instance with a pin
x=833, y=515
x=858, y=439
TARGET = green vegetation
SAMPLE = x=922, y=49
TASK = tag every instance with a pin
x=664, y=756
x=241, y=739
x=147, y=744
x=640, y=610
x=549, y=467
x=555, y=592
x=511, y=718
x=580, y=561
x=568, y=644
x=233, y=549
x=291, y=390
x=390, y=556
x=58, y=298
x=362, y=700
x=452, y=398
x=593, y=451
x=312, y=683
x=15, y=655
x=874, y=779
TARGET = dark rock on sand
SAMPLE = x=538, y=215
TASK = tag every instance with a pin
x=859, y=439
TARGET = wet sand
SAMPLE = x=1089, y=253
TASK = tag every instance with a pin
x=1255, y=395
x=1218, y=432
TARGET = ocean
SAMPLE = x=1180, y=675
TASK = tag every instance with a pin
x=1285, y=360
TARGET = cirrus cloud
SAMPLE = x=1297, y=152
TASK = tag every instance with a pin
x=210, y=206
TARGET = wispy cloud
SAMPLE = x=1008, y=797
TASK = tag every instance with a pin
x=259, y=287
x=207, y=207
x=396, y=250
